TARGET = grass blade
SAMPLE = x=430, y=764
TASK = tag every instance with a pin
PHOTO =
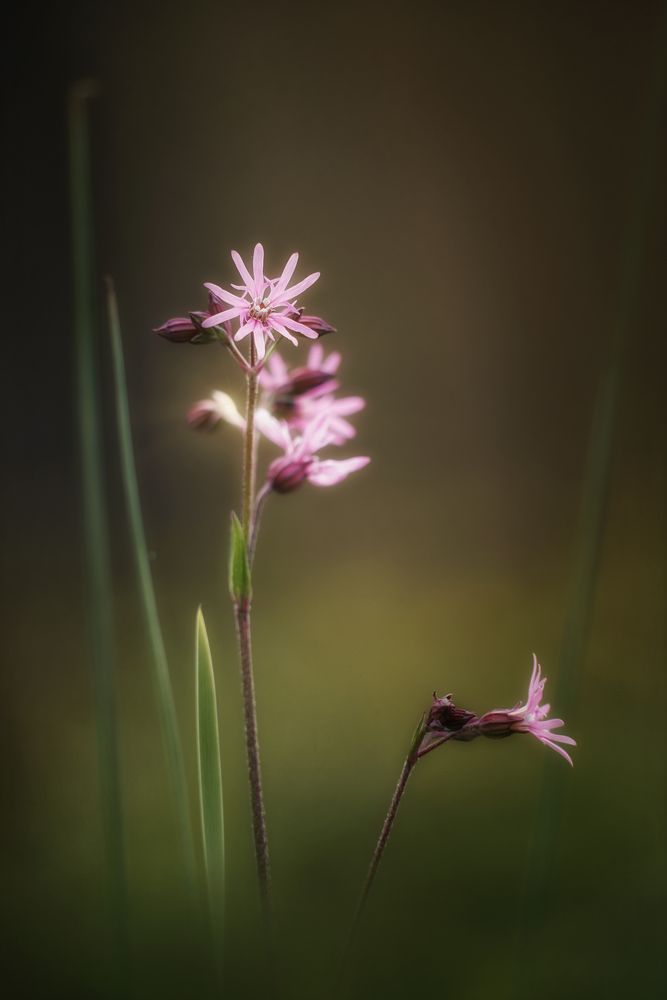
x=161, y=677
x=97, y=564
x=210, y=781
x=540, y=866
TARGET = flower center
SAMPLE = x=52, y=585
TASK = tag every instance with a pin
x=260, y=309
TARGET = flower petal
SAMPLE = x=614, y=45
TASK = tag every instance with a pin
x=244, y=272
x=282, y=331
x=329, y=472
x=220, y=293
x=222, y=317
x=298, y=327
x=288, y=271
x=291, y=293
x=258, y=337
x=258, y=268
x=244, y=330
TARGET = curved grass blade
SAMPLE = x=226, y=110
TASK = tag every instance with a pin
x=595, y=494
x=210, y=783
x=97, y=564
x=161, y=678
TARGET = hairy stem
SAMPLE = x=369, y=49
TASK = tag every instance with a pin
x=252, y=751
x=249, y=456
x=242, y=614
x=408, y=767
x=262, y=497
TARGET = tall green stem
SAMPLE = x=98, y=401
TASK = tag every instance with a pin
x=243, y=632
x=161, y=678
x=95, y=530
x=594, y=501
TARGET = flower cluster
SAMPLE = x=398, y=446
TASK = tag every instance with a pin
x=300, y=414
x=447, y=722
x=265, y=308
x=300, y=411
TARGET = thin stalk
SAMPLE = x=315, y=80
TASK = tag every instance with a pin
x=406, y=771
x=414, y=754
x=262, y=497
x=594, y=502
x=243, y=632
x=260, y=836
x=95, y=528
x=249, y=454
x=161, y=678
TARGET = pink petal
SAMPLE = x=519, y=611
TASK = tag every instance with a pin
x=258, y=268
x=315, y=356
x=298, y=327
x=331, y=364
x=221, y=317
x=559, y=750
x=244, y=330
x=330, y=472
x=244, y=272
x=282, y=331
x=291, y=293
x=288, y=271
x=220, y=293
x=349, y=404
x=275, y=430
x=259, y=341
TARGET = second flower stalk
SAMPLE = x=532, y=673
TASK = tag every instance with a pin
x=241, y=593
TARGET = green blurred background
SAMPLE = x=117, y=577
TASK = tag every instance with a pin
x=463, y=175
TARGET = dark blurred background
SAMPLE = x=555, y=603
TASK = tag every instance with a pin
x=464, y=176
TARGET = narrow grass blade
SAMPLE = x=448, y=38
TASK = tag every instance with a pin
x=94, y=513
x=210, y=782
x=161, y=678
x=594, y=501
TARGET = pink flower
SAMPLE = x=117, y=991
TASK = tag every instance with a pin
x=300, y=395
x=529, y=718
x=447, y=722
x=206, y=414
x=300, y=462
x=266, y=306
x=278, y=379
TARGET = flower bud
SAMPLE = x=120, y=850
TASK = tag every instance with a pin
x=287, y=474
x=445, y=715
x=204, y=415
x=186, y=330
x=496, y=725
x=316, y=323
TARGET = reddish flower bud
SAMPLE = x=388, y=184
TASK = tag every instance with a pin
x=186, y=330
x=287, y=474
x=204, y=415
x=317, y=324
x=444, y=715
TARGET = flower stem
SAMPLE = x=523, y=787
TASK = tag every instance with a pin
x=408, y=767
x=262, y=497
x=249, y=446
x=243, y=632
x=252, y=752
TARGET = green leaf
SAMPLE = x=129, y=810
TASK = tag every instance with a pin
x=240, y=586
x=210, y=778
x=159, y=663
x=94, y=519
x=417, y=738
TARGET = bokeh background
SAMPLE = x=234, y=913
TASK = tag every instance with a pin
x=465, y=176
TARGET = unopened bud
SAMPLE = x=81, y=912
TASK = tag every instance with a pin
x=445, y=715
x=204, y=415
x=287, y=474
x=496, y=725
x=317, y=324
x=186, y=330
